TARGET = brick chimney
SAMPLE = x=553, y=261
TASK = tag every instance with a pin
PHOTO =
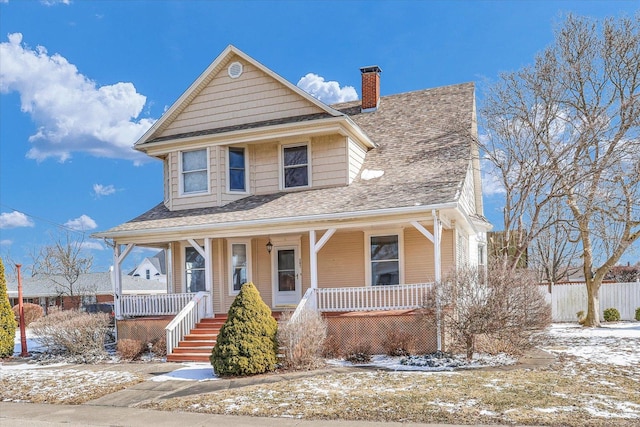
x=370, y=87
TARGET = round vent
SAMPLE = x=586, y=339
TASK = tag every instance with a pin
x=235, y=70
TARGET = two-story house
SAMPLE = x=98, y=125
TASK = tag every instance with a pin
x=344, y=204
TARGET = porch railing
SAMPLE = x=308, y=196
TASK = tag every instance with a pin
x=370, y=298
x=309, y=302
x=186, y=320
x=154, y=305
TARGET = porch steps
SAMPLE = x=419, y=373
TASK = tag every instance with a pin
x=199, y=342
x=197, y=345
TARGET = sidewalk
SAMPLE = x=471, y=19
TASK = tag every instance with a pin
x=42, y=415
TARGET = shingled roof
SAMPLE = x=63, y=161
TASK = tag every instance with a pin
x=423, y=147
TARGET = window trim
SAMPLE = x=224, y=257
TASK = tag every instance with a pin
x=182, y=193
x=246, y=170
x=230, y=267
x=367, y=252
x=281, y=167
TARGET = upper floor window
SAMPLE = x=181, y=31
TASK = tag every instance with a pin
x=385, y=260
x=237, y=169
x=147, y=274
x=295, y=160
x=195, y=174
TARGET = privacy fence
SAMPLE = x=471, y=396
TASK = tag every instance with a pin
x=568, y=299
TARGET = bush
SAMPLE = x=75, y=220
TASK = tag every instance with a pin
x=246, y=344
x=638, y=314
x=129, y=349
x=581, y=315
x=331, y=348
x=32, y=312
x=359, y=352
x=73, y=332
x=159, y=347
x=611, y=315
x=302, y=339
x=398, y=343
x=7, y=319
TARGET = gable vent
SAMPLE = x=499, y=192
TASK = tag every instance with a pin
x=235, y=70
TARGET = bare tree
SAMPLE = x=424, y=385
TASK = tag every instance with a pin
x=578, y=109
x=63, y=262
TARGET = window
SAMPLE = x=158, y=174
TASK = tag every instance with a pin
x=385, y=260
x=295, y=161
x=239, y=265
x=147, y=274
x=195, y=176
x=194, y=269
x=237, y=169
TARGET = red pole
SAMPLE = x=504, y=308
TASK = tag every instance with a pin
x=23, y=335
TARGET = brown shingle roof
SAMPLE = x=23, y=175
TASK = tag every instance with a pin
x=423, y=157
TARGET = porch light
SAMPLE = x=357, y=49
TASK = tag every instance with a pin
x=269, y=246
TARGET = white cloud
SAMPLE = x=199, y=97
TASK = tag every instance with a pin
x=327, y=92
x=54, y=2
x=6, y=242
x=491, y=184
x=92, y=245
x=72, y=112
x=82, y=223
x=15, y=219
x=103, y=190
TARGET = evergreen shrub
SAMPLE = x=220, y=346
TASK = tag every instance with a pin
x=638, y=314
x=7, y=319
x=611, y=315
x=246, y=344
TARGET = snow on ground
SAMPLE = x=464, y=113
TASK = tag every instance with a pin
x=190, y=372
x=613, y=344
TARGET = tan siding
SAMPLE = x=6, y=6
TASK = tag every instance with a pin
x=179, y=202
x=448, y=259
x=306, y=263
x=328, y=161
x=264, y=169
x=418, y=257
x=253, y=97
x=178, y=270
x=262, y=269
x=341, y=261
x=356, y=158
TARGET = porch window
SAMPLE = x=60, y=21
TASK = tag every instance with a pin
x=295, y=160
x=237, y=169
x=195, y=173
x=194, y=269
x=385, y=260
x=239, y=264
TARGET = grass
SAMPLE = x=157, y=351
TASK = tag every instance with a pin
x=566, y=394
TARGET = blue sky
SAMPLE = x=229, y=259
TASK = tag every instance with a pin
x=81, y=80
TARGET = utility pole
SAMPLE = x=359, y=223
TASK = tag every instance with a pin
x=23, y=335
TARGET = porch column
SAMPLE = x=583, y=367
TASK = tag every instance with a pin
x=118, y=257
x=437, y=234
x=314, y=248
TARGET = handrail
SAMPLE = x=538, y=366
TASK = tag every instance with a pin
x=308, y=302
x=186, y=320
x=371, y=298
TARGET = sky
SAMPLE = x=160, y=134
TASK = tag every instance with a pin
x=81, y=81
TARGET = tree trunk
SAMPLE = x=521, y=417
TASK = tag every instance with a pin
x=593, y=303
x=470, y=346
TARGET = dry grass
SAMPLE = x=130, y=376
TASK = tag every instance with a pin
x=565, y=394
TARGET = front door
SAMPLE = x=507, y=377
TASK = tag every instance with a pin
x=286, y=275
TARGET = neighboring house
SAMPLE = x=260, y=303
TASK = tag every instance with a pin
x=264, y=183
x=90, y=288
x=152, y=268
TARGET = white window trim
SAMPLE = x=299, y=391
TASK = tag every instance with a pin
x=231, y=242
x=181, y=174
x=246, y=170
x=367, y=251
x=281, y=165
x=183, y=255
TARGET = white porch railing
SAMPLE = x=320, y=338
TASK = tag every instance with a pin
x=308, y=303
x=186, y=320
x=154, y=305
x=366, y=298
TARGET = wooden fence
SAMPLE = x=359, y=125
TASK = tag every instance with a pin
x=568, y=299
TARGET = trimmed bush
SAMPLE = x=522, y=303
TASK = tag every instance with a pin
x=611, y=315
x=7, y=319
x=302, y=340
x=129, y=349
x=32, y=312
x=638, y=314
x=246, y=344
